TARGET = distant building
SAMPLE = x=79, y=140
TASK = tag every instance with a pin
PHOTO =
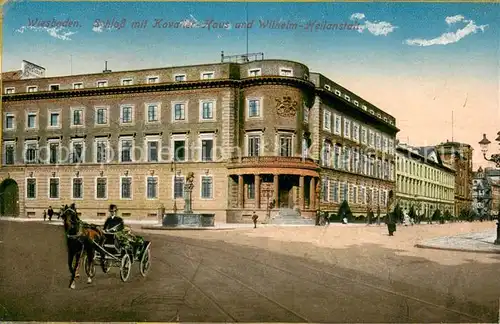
x=459, y=156
x=423, y=181
x=256, y=134
x=486, y=192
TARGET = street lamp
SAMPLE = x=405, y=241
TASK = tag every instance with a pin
x=495, y=158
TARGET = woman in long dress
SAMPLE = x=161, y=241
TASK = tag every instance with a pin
x=391, y=206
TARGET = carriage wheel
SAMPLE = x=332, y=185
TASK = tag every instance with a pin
x=125, y=268
x=145, y=262
x=89, y=267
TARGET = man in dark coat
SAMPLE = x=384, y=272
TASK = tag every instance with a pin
x=114, y=223
x=390, y=221
x=50, y=213
x=254, y=219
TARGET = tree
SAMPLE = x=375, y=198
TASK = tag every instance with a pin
x=436, y=216
x=345, y=211
x=447, y=215
x=412, y=213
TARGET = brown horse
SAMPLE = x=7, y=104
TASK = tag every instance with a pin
x=80, y=239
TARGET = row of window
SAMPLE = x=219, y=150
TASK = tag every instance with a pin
x=357, y=104
x=360, y=134
x=335, y=191
x=101, y=187
x=420, y=188
x=181, y=77
x=102, y=153
x=353, y=160
x=415, y=169
x=207, y=112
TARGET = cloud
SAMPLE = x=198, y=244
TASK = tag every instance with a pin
x=191, y=22
x=97, y=29
x=377, y=28
x=450, y=37
x=56, y=32
x=357, y=16
x=454, y=19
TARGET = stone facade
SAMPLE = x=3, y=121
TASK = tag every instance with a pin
x=459, y=156
x=486, y=193
x=423, y=181
x=253, y=134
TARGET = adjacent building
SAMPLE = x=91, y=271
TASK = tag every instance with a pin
x=423, y=181
x=258, y=135
x=459, y=156
x=486, y=192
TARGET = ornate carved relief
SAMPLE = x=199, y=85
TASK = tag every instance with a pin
x=286, y=107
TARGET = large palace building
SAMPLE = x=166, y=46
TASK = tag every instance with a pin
x=423, y=181
x=257, y=134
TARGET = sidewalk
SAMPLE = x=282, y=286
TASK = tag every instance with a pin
x=479, y=242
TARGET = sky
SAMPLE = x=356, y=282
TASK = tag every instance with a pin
x=421, y=62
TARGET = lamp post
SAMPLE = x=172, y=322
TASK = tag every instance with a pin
x=268, y=192
x=495, y=158
x=173, y=168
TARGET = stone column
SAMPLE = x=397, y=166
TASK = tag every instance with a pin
x=257, y=191
x=241, y=192
x=301, y=193
x=276, y=190
x=312, y=193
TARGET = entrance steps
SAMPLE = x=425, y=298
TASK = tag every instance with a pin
x=288, y=216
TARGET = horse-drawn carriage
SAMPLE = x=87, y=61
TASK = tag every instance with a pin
x=116, y=253
x=104, y=247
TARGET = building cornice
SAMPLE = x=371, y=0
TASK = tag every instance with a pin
x=161, y=87
x=424, y=160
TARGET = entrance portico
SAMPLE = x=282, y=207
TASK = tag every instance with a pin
x=270, y=183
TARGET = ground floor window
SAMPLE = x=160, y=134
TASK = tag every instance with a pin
x=54, y=188
x=77, y=188
x=31, y=189
x=152, y=188
x=101, y=188
x=206, y=187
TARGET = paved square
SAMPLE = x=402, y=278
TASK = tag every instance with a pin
x=350, y=273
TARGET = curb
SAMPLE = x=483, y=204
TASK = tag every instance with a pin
x=432, y=247
x=161, y=228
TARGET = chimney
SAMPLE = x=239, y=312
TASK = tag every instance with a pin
x=106, y=68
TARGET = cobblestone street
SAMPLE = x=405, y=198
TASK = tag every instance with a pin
x=281, y=274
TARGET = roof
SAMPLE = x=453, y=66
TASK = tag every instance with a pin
x=12, y=75
x=453, y=144
x=426, y=152
x=423, y=153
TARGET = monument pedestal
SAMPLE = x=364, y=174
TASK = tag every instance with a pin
x=188, y=220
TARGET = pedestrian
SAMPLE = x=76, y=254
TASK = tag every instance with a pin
x=318, y=218
x=44, y=215
x=254, y=219
x=326, y=218
x=391, y=206
x=50, y=213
